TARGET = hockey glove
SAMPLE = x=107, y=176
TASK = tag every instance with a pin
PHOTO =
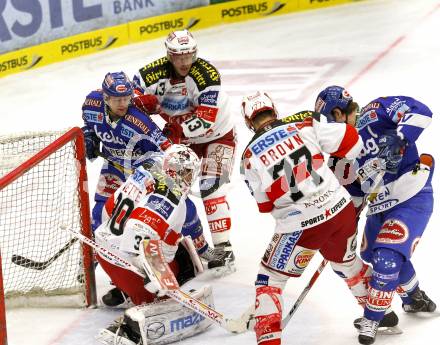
x=92, y=143
x=147, y=103
x=391, y=149
x=174, y=132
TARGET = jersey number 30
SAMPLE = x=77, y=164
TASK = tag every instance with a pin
x=121, y=212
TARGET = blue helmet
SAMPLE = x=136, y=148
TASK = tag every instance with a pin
x=117, y=84
x=330, y=98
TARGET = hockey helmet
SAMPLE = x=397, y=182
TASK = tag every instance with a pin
x=254, y=104
x=181, y=42
x=330, y=98
x=117, y=84
x=181, y=164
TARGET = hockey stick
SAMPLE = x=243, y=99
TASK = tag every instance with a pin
x=304, y=293
x=41, y=265
x=177, y=294
x=320, y=268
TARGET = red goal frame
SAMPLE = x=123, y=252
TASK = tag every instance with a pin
x=76, y=135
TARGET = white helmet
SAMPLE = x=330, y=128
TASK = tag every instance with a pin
x=182, y=165
x=253, y=104
x=181, y=42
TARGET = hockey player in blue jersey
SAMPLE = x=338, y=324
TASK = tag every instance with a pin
x=397, y=183
x=127, y=138
x=120, y=132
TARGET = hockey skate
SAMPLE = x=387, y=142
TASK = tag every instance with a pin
x=223, y=262
x=367, y=332
x=421, y=302
x=120, y=333
x=387, y=326
x=116, y=298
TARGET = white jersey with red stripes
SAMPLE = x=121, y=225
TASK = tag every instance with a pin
x=285, y=170
x=197, y=102
x=144, y=206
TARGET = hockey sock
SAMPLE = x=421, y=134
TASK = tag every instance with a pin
x=384, y=280
x=268, y=314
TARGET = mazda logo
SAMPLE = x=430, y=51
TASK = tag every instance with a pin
x=155, y=330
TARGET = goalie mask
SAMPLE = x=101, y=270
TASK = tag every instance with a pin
x=182, y=165
x=254, y=104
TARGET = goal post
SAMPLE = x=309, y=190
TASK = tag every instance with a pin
x=43, y=189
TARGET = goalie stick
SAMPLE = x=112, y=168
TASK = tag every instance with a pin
x=231, y=325
x=41, y=265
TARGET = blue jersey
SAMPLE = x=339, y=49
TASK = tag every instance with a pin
x=399, y=113
x=133, y=138
x=382, y=115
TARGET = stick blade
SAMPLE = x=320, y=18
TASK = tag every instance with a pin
x=28, y=263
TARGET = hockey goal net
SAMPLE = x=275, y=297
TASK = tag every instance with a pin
x=43, y=187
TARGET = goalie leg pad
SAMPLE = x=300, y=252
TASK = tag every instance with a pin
x=168, y=321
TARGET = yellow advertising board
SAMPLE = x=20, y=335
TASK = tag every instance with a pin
x=151, y=28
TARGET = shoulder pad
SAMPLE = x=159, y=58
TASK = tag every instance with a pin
x=94, y=99
x=156, y=70
x=204, y=74
x=298, y=117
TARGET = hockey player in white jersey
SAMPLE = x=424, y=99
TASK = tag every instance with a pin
x=284, y=168
x=196, y=109
x=151, y=204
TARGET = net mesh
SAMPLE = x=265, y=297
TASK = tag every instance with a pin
x=32, y=210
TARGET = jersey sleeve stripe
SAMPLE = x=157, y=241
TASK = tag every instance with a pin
x=265, y=207
x=415, y=120
x=350, y=140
